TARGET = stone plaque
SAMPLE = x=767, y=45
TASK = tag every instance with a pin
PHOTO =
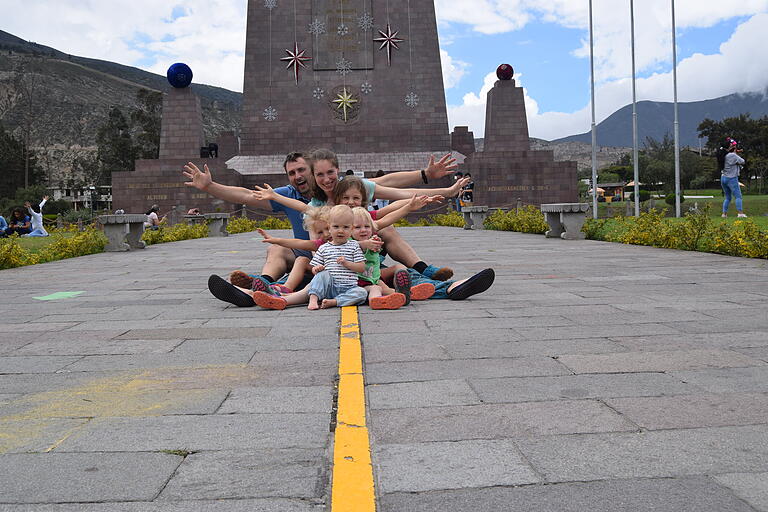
x=347, y=34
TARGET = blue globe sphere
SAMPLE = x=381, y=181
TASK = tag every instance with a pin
x=179, y=75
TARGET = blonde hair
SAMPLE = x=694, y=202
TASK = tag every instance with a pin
x=314, y=214
x=339, y=210
x=361, y=213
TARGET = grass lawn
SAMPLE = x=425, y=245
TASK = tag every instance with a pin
x=35, y=244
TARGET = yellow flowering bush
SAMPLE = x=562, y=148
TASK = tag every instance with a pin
x=12, y=254
x=452, y=219
x=241, y=225
x=527, y=219
x=174, y=233
x=274, y=223
x=63, y=245
x=742, y=238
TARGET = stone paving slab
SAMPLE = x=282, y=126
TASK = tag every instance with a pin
x=657, y=361
x=751, y=487
x=194, y=433
x=494, y=421
x=266, y=400
x=431, y=466
x=432, y=393
x=575, y=387
x=694, y=410
x=233, y=505
x=249, y=474
x=80, y=477
x=670, y=453
x=641, y=495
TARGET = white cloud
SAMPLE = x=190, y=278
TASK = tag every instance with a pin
x=453, y=70
x=733, y=69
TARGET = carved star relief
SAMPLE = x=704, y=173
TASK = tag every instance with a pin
x=389, y=40
x=295, y=59
x=344, y=101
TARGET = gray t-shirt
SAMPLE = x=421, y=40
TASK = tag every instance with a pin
x=733, y=163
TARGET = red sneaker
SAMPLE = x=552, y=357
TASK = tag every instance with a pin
x=268, y=301
x=394, y=301
x=422, y=291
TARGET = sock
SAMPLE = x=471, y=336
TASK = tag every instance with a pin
x=268, y=278
x=420, y=266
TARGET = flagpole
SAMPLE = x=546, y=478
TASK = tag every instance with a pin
x=594, y=128
x=634, y=114
x=677, y=121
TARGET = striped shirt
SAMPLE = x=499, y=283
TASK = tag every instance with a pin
x=327, y=255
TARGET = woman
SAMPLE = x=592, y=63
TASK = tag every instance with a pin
x=152, y=222
x=18, y=223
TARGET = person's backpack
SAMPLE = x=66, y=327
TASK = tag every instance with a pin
x=720, y=156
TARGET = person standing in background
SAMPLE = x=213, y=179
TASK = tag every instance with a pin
x=730, y=179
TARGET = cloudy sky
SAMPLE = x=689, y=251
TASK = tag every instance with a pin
x=721, y=48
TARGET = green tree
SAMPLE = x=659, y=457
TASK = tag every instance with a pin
x=146, y=123
x=116, y=152
x=15, y=161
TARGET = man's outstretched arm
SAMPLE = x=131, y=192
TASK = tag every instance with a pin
x=202, y=180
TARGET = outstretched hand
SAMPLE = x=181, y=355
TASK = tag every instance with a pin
x=200, y=179
x=264, y=193
x=443, y=167
x=268, y=239
x=417, y=202
x=456, y=187
x=316, y=270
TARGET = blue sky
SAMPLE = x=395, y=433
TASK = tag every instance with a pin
x=546, y=42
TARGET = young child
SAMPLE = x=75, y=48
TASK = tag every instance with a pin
x=379, y=294
x=335, y=265
x=316, y=223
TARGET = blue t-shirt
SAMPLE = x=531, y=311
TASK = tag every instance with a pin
x=3, y=224
x=19, y=222
x=295, y=217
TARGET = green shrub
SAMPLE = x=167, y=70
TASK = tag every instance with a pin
x=275, y=223
x=452, y=219
x=670, y=198
x=73, y=216
x=89, y=241
x=241, y=225
x=12, y=254
x=174, y=233
x=644, y=196
x=527, y=219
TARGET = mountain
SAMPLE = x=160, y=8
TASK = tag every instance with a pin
x=73, y=95
x=655, y=119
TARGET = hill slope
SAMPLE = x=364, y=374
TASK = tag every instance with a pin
x=655, y=119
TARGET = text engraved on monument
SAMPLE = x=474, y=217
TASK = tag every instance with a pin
x=344, y=36
x=518, y=188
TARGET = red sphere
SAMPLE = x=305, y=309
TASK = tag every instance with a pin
x=505, y=72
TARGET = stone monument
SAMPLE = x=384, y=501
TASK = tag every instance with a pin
x=507, y=169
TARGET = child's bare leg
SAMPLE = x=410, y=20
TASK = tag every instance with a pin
x=385, y=290
x=300, y=297
x=328, y=303
x=375, y=290
x=300, y=267
x=314, y=302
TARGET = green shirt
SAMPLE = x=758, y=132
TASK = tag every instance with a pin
x=372, y=271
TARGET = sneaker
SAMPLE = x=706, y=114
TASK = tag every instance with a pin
x=227, y=292
x=742, y=216
x=478, y=283
x=438, y=274
x=259, y=284
x=725, y=215
x=402, y=282
x=393, y=301
x=422, y=291
x=241, y=279
x=268, y=301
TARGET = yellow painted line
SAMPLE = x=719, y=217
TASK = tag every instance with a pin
x=352, y=488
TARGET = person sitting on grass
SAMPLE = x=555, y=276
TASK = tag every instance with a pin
x=37, y=218
x=18, y=223
x=3, y=225
x=335, y=265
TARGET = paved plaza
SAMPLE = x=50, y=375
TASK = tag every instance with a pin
x=591, y=376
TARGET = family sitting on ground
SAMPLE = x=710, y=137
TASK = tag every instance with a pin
x=22, y=224
x=330, y=219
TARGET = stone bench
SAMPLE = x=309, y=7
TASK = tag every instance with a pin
x=474, y=216
x=122, y=228
x=565, y=220
x=194, y=219
x=217, y=223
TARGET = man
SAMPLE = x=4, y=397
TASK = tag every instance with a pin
x=279, y=259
